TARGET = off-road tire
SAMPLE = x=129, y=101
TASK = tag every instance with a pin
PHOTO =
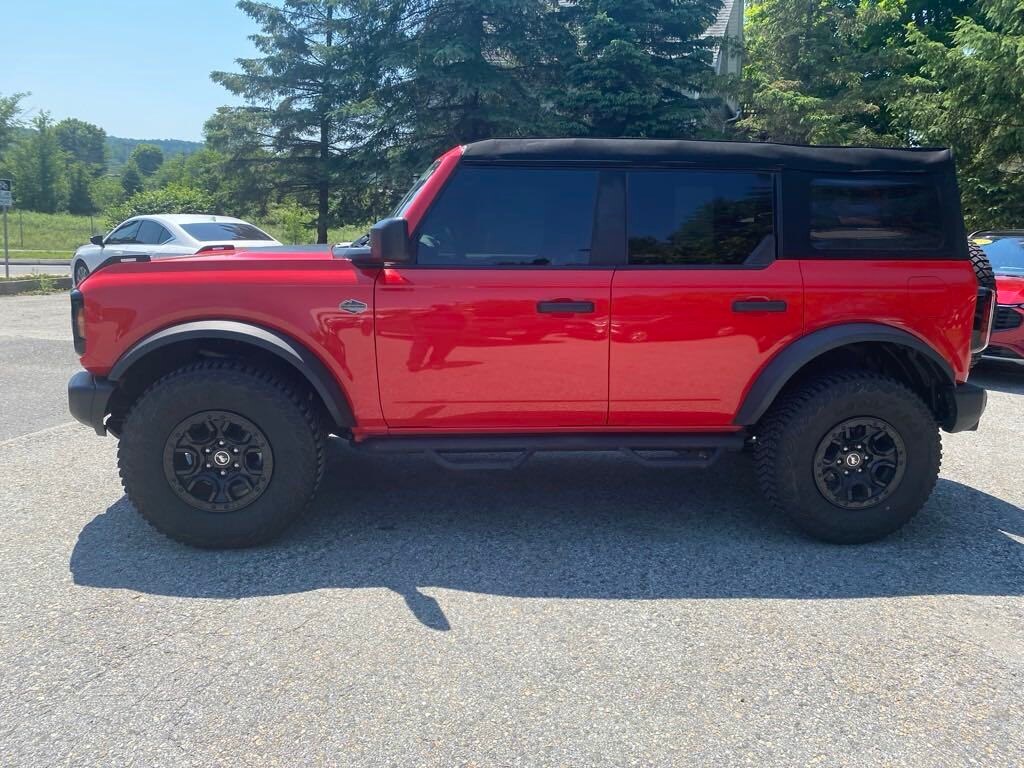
x=982, y=266
x=986, y=278
x=789, y=435
x=284, y=415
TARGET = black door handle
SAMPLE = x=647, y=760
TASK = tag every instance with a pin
x=567, y=307
x=758, y=305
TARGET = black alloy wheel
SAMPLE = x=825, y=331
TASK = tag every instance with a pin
x=859, y=463
x=218, y=461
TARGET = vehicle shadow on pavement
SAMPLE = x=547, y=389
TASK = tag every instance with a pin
x=1000, y=377
x=564, y=527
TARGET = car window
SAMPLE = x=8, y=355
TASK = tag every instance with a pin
x=700, y=217
x=151, y=233
x=124, y=234
x=1006, y=252
x=530, y=217
x=213, y=231
x=875, y=214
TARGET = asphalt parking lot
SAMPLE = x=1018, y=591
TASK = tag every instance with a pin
x=579, y=611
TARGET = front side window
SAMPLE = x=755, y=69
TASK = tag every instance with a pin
x=124, y=234
x=532, y=217
x=718, y=218
x=876, y=214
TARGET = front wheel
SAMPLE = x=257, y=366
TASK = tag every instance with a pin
x=848, y=457
x=219, y=454
x=81, y=272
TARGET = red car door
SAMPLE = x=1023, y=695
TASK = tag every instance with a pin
x=702, y=304
x=502, y=322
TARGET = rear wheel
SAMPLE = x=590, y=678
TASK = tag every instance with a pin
x=218, y=454
x=848, y=457
x=81, y=272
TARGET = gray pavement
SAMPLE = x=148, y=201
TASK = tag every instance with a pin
x=579, y=611
x=19, y=268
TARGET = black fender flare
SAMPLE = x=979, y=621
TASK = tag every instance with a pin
x=791, y=359
x=308, y=365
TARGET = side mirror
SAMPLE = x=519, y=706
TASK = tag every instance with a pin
x=389, y=242
x=96, y=240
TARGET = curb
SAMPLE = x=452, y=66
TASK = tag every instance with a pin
x=40, y=262
x=13, y=287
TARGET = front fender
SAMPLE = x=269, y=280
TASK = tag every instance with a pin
x=285, y=348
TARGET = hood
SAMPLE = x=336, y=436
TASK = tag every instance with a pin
x=1010, y=289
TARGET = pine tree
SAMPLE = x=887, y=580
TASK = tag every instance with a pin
x=638, y=68
x=296, y=87
x=971, y=96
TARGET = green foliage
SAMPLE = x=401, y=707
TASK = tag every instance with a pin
x=303, y=71
x=637, y=68
x=38, y=166
x=147, y=158
x=813, y=77
x=119, y=150
x=970, y=95
x=80, y=189
x=105, y=192
x=10, y=110
x=293, y=224
x=131, y=180
x=170, y=199
x=84, y=143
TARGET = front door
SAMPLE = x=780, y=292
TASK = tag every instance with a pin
x=703, y=303
x=502, y=322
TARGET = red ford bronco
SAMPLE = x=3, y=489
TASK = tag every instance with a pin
x=670, y=300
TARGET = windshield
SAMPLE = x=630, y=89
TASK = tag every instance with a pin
x=406, y=201
x=1006, y=252
x=213, y=231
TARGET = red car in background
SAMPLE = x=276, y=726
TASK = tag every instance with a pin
x=1005, y=250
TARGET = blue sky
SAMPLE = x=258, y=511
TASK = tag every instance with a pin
x=137, y=68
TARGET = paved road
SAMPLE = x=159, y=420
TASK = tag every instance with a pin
x=580, y=611
x=34, y=269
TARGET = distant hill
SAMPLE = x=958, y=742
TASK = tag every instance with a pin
x=119, y=150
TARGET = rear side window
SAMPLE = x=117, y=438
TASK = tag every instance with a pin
x=151, y=233
x=875, y=214
x=527, y=217
x=700, y=218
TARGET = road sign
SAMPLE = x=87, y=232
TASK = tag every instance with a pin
x=6, y=196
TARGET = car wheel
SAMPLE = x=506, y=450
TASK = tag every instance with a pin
x=848, y=457
x=81, y=272
x=221, y=455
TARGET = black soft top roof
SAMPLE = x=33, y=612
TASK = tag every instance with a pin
x=718, y=154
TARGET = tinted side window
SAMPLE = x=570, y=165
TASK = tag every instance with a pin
x=511, y=216
x=126, y=233
x=883, y=214
x=151, y=233
x=700, y=217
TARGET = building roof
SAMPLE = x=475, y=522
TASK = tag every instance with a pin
x=717, y=29
x=717, y=154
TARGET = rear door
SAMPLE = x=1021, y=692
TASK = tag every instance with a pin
x=502, y=322
x=703, y=303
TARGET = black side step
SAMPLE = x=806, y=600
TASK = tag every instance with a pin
x=511, y=451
